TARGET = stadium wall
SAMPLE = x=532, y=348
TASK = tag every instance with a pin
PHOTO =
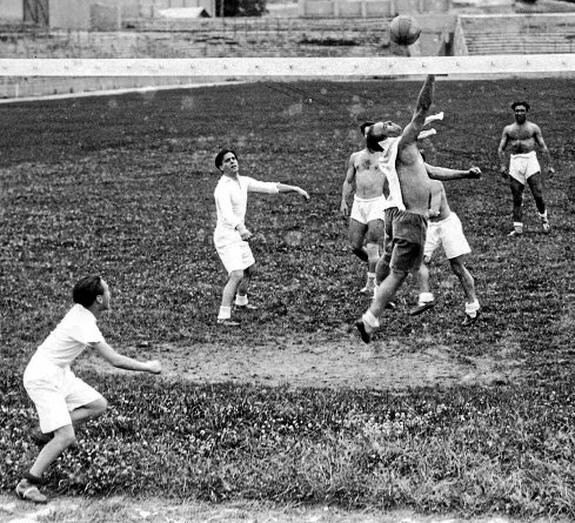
x=199, y=38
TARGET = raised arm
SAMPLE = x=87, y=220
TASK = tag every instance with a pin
x=418, y=121
x=124, y=362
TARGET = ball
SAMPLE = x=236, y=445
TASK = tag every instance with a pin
x=404, y=30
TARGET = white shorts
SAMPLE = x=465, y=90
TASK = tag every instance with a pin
x=235, y=256
x=367, y=210
x=449, y=234
x=56, y=392
x=522, y=166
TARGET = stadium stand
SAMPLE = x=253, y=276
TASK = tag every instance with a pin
x=515, y=34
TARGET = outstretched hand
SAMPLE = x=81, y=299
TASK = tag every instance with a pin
x=474, y=172
x=154, y=366
x=303, y=193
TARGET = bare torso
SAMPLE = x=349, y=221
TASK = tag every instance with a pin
x=413, y=180
x=521, y=138
x=439, y=207
x=369, y=179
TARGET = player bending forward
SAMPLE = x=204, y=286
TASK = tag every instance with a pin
x=62, y=400
x=445, y=229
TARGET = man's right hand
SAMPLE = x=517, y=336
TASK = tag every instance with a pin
x=344, y=208
x=474, y=172
x=244, y=233
x=503, y=172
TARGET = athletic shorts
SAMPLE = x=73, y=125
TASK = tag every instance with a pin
x=236, y=255
x=522, y=166
x=368, y=210
x=449, y=234
x=405, y=234
x=56, y=392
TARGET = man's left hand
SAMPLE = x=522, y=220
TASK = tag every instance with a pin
x=550, y=172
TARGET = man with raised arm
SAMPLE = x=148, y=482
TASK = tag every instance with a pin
x=409, y=190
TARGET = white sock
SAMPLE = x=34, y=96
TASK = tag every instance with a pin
x=425, y=297
x=370, y=320
x=472, y=308
x=241, y=300
x=225, y=313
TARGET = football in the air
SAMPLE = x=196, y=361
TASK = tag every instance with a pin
x=404, y=30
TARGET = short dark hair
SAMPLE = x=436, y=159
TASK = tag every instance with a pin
x=524, y=104
x=364, y=126
x=87, y=290
x=220, y=156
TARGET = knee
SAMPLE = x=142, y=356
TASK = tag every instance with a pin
x=65, y=436
x=236, y=276
x=99, y=407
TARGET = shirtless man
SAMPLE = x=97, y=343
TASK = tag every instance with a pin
x=445, y=230
x=369, y=202
x=364, y=176
x=406, y=221
x=522, y=138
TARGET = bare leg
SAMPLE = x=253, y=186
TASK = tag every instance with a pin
x=386, y=291
x=65, y=436
x=356, y=233
x=468, y=283
x=517, y=193
x=535, y=182
x=228, y=294
x=465, y=277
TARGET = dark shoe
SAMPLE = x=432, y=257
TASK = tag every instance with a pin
x=247, y=307
x=514, y=233
x=228, y=323
x=469, y=320
x=29, y=492
x=39, y=437
x=360, y=326
x=422, y=307
x=391, y=305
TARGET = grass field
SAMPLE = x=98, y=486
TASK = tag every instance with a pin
x=123, y=186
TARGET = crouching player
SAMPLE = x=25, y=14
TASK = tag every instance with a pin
x=62, y=400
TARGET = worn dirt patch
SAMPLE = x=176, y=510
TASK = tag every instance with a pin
x=348, y=363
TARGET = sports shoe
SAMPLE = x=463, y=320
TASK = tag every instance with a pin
x=228, y=322
x=39, y=437
x=246, y=307
x=514, y=233
x=360, y=326
x=391, y=305
x=30, y=492
x=422, y=307
x=469, y=320
x=546, y=227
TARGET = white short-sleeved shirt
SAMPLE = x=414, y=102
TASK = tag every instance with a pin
x=68, y=340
